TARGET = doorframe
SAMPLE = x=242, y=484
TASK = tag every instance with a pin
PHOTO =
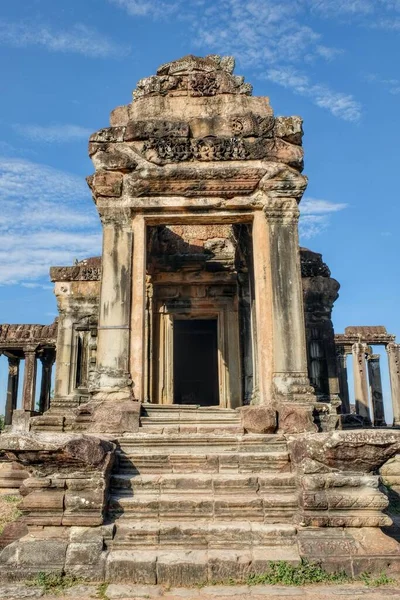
x=228, y=350
x=209, y=318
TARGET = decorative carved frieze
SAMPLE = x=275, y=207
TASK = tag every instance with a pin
x=164, y=150
x=191, y=182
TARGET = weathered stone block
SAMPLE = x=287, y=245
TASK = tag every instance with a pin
x=357, y=450
x=110, y=158
x=85, y=535
x=296, y=419
x=119, y=117
x=82, y=553
x=258, y=419
x=125, y=566
x=290, y=129
x=107, y=183
x=182, y=568
x=42, y=552
x=13, y=532
x=108, y=134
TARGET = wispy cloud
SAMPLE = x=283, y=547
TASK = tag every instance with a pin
x=52, y=133
x=277, y=34
x=151, y=8
x=315, y=215
x=343, y=106
x=47, y=218
x=79, y=39
x=392, y=85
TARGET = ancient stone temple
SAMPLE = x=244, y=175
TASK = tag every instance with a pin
x=201, y=423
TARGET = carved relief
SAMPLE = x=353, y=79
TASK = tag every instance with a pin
x=203, y=84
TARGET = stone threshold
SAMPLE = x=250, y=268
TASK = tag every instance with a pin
x=350, y=591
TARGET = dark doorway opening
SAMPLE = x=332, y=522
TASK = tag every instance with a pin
x=196, y=362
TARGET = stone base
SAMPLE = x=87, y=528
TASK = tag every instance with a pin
x=85, y=552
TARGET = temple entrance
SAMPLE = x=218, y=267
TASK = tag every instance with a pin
x=195, y=362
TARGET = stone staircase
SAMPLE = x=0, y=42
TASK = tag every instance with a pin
x=196, y=500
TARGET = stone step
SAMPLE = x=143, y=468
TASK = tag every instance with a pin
x=196, y=535
x=212, y=462
x=165, y=427
x=201, y=483
x=192, y=567
x=187, y=410
x=135, y=443
x=268, y=508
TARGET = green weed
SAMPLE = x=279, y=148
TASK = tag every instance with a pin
x=9, y=511
x=283, y=573
x=101, y=591
x=371, y=581
x=53, y=583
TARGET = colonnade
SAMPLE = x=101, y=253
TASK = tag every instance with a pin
x=30, y=355
x=368, y=392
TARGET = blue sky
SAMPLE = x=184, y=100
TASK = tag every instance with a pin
x=66, y=65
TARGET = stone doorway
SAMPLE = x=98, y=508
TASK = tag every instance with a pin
x=195, y=358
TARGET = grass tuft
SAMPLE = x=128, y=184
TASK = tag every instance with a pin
x=283, y=573
x=101, y=591
x=371, y=581
x=53, y=583
x=9, y=511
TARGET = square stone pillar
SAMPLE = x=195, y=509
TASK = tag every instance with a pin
x=12, y=389
x=375, y=386
x=263, y=310
x=138, y=339
x=393, y=351
x=112, y=371
x=360, y=350
x=47, y=359
x=341, y=355
x=290, y=373
x=29, y=389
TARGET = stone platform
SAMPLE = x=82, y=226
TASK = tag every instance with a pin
x=191, y=499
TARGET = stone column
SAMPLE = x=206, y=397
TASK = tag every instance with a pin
x=359, y=351
x=290, y=376
x=263, y=310
x=393, y=351
x=343, y=380
x=375, y=386
x=12, y=389
x=112, y=371
x=29, y=389
x=138, y=341
x=47, y=359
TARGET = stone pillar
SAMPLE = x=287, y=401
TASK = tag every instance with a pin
x=138, y=341
x=47, y=359
x=112, y=371
x=29, y=389
x=359, y=351
x=12, y=389
x=343, y=380
x=375, y=386
x=290, y=376
x=263, y=309
x=393, y=351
